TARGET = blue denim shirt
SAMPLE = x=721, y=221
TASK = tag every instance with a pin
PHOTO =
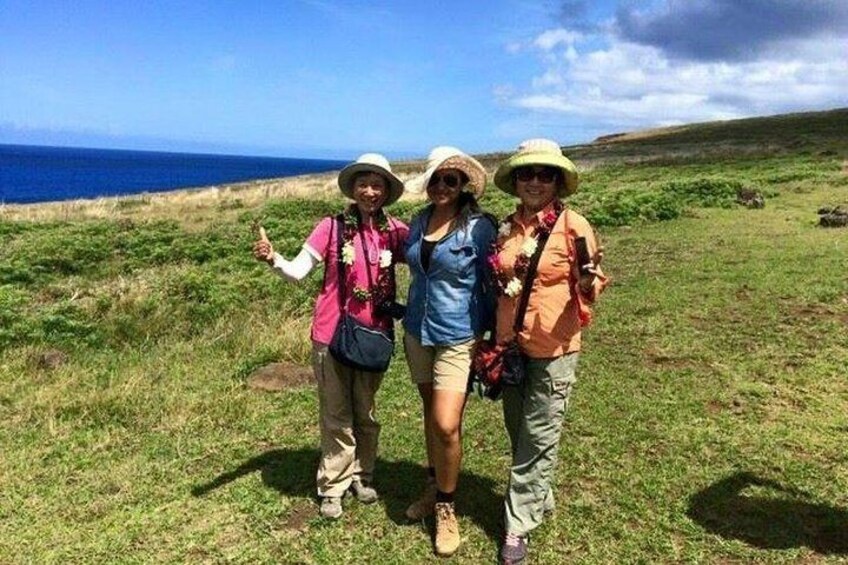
x=452, y=302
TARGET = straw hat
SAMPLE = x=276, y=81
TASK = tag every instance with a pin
x=371, y=163
x=445, y=157
x=543, y=152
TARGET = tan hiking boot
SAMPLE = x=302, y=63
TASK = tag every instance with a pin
x=447, y=529
x=423, y=507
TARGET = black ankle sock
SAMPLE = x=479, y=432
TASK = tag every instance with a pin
x=444, y=496
x=431, y=472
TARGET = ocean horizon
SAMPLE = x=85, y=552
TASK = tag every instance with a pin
x=36, y=173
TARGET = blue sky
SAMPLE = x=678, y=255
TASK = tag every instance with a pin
x=333, y=78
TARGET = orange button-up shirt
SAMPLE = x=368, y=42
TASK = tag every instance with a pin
x=557, y=309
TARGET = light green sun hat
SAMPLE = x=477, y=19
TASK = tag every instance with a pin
x=542, y=152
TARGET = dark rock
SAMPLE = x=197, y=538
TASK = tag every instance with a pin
x=750, y=198
x=51, y=359
x=833, y=217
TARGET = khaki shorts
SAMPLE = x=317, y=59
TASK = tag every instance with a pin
x=445, y=366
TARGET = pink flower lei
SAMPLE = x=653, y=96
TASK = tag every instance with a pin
x=511, y=286
x=385, y=285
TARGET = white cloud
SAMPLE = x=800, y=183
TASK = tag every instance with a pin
x=625, y=85
x=503, y=93
x=514, y=47
x=551, y=38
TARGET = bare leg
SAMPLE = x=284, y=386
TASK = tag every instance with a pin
x=425, y=390
x=446, y=411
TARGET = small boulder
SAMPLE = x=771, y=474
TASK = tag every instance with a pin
x=51, y=359
x=750, y=198
x=836, y=217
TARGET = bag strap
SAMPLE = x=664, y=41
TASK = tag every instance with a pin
x=527, y=284
x=367, y=264
x=340, y=266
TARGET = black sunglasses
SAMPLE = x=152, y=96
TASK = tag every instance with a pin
x=544, y=174
x=451, y=180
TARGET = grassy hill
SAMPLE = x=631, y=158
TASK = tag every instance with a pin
x=708, y=425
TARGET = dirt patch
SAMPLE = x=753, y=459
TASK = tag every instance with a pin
x=715, y=407
x=51, y=359
x=736, y=407
x=297, y=520
x=276, y=377
x=798, y=313
x=660, y=359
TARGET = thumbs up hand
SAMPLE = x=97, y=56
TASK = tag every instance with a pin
x=262, y=249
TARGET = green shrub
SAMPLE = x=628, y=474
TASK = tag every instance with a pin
x=14, y=325
x=704, y=192
x=17, y=272
x=67, y=323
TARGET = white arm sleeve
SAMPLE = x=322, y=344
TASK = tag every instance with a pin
x=297, y=268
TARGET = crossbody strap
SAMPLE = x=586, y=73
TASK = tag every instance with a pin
x=340, y=268
x=367, y=264
x=529, y=277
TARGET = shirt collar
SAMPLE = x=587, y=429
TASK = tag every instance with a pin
x=537, y=218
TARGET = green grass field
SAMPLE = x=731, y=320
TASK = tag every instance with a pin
x=709, y=423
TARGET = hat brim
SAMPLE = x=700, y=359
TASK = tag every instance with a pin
x=504, y=180
x=347, y=175
x=469, y=165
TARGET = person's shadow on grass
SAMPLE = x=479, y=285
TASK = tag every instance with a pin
x=291, y=472
x=780, y=521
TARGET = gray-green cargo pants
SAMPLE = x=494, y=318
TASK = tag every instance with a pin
x=533, y=414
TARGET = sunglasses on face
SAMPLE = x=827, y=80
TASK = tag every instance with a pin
x=450, y=180
x=544, y=174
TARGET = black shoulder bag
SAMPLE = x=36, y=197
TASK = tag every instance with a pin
x=355, y=344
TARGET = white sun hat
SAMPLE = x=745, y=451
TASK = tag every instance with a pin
x=371, y=163
x=446, y=157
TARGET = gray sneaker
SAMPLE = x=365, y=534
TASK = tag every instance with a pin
x=331, y=507
x=550, y=504
x=364, y=493
x=513, y=550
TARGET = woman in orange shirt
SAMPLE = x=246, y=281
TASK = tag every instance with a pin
x=559, y=306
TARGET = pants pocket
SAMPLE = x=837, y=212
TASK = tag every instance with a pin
x=563, y=377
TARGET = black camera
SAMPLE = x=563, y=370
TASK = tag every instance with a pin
x=584, y=258
x=393, y=309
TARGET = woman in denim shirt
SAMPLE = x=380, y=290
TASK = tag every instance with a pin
x=449, y=307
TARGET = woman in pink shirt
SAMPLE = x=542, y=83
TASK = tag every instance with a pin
x=371, y=245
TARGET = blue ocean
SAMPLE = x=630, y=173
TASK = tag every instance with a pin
x=31, y=173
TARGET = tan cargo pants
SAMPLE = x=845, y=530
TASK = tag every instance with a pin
x=349, y=428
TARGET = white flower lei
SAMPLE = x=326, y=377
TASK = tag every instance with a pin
x=513, y=288
x=348, y=254
x=504, y=229
x=385, y=258
x=528, y=248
